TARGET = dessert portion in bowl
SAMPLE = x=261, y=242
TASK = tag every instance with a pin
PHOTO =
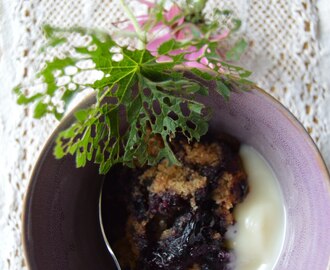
x=182, y=217
x=177, y=216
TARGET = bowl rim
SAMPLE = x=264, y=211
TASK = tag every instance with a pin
x=89, y=97
x=68, y=117
x=302, y=130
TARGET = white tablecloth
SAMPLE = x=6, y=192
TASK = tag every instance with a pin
x=289, y=53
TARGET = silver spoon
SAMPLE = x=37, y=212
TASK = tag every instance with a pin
x=103, y=232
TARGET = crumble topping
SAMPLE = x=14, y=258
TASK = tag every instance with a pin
x=180, y=180
x=203, y=154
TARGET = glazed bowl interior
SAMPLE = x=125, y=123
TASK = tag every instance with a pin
x=61, y=223
x=258, y=120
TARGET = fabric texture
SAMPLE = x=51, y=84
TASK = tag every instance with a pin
x=289, y=55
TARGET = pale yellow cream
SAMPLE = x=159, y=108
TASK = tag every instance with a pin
x=258, y=236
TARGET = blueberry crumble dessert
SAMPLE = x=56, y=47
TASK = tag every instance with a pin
x=176, y=217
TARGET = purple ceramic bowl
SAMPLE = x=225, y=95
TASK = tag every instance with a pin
x=61, y=229
x=257, y=119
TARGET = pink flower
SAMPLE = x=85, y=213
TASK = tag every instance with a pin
x=159, y=27
x=221, y=70
x=155, y=44
x=184, y=33
x=196, y=55
x=179, y=51
x=164, y=59
x=141, y=21
x=173, y=13
x=204, y=61
x=194, y=64
x=220, y=36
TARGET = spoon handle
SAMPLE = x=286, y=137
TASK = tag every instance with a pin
x=103, y=232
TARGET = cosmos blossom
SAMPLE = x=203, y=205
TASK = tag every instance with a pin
x=173, y=26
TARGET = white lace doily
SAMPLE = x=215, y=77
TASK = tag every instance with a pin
x=289, y=54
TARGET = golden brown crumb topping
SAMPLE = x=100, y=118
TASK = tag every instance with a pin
x=203, y=154
x=226, y=184
x=225, y=194
x=178, y=179
x=221, y=194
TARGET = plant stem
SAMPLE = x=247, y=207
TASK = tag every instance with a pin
x=141, y=34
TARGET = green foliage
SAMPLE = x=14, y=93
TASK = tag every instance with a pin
x=234, y=54
x=134, y=89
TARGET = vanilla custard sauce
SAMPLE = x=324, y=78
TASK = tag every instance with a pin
x=258, y=236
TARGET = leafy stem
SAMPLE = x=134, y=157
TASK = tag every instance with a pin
x=143, y=96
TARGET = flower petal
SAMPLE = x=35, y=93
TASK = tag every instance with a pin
x=180, y=21
x=194, y=64
x=179, y=51
x=220, y=36
x=172, y=13
x=154, y=44
x=204, y=61
x=164, y=59
x=196, y=55
x=160, y=27
x=141, y=21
